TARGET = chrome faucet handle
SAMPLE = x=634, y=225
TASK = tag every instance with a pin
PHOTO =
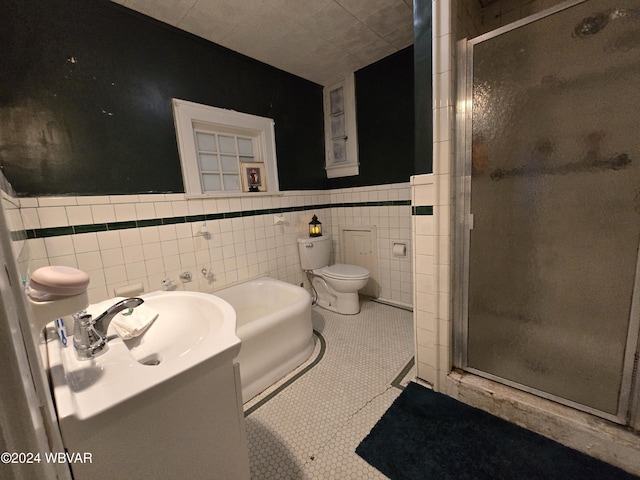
x=86, y=341
x=90, y=334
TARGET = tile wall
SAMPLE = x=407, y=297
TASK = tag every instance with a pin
x=393, y=224
x=122, y=240
x=431, y=198
x=13, y=218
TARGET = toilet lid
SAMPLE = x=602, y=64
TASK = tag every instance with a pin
x=342, y=271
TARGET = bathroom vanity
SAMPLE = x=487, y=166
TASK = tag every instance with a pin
x=179, y=416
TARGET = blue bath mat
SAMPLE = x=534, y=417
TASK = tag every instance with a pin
x=427, y=435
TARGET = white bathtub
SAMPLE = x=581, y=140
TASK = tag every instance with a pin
x=274, y=324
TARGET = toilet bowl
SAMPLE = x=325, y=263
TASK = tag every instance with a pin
x=346, y=278
x=336, y=286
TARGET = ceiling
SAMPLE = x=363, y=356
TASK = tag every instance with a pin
x=320, y=40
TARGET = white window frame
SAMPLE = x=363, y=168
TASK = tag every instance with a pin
x=351, y=167
x=189, y=115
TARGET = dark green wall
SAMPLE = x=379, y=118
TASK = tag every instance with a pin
x=385, y=122
x=85, y=100
x=85, y=103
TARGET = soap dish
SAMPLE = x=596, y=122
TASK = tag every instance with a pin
x=59, y=280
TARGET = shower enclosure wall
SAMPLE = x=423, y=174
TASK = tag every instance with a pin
x=548, y=206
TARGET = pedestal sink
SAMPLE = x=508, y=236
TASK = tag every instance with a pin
x=166, y=404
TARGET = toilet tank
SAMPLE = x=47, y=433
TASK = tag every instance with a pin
x=314, y=251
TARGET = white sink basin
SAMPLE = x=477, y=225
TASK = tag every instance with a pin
x=182, y=326
x=191, y=328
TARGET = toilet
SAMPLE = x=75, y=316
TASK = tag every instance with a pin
x=337, y=285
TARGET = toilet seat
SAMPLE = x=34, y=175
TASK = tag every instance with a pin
x=341, y=271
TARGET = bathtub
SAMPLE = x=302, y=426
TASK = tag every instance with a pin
x=274, y=324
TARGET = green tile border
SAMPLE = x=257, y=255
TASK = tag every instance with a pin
x=90, y=228
x=111, y=226
x=426, y=210
x=53, y=232
x=397, y=382
x=323, y=349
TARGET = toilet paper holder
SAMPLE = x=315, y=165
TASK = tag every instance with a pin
x=399, y=249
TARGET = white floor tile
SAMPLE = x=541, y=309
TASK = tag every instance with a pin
x=311, y=428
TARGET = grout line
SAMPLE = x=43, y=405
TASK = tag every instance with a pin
x=394, y=384
x=311, y=457
x=368, y=402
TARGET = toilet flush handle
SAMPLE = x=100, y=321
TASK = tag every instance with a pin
x=309, y=245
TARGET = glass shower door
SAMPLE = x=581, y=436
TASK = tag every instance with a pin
x=554, y=169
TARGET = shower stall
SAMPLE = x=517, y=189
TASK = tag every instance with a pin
x=548, y=206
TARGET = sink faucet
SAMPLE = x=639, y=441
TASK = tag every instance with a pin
x=90, y=335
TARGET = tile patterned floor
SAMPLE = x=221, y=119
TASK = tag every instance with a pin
x=310, y=428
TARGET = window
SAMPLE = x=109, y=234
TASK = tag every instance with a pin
x=341, y=142
x=224, y=152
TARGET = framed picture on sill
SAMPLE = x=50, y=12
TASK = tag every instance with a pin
x=253, y=177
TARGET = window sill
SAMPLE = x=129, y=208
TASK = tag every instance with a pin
x=348, y=170
x=232, y=195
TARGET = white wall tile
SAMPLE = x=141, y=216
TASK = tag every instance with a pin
x=187, y=260
x=130, y=237
x=96, y=278
x=152, y=250
x=109, y=239
x=125, y=212
x=30, y=218
x=64, y=260
x=169, y=247
x=85, y=242
x=29, y=202
x=79, y=215
x=151, y=197
x=132, y=253
x=37, y=248
x=163, y=209
x=196, y=207
x=98, y=294
x=442, y=157
x=167, y=232
x=171, y=262
x=234, y=248
x=154, y=266
x=56, y=201
x=145, y=211
x=112, y=257
x=93, y=200
x=52, y=217
x=149, y=235
x=57, y=246
x=174, y=197
x=89, y=261
x=180, y=209
x=115, y=275
x=130, y=199
x=427, y=372
x=185, y=245
x=135, y=270
x=184, y=230
x=103, y=213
